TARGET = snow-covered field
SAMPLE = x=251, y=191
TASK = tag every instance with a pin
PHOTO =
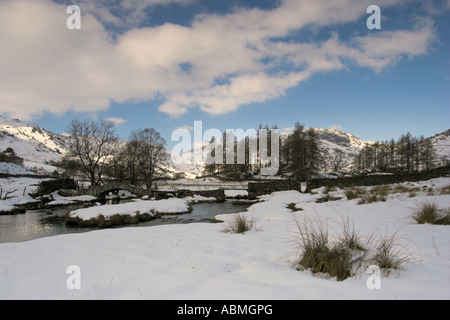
x=16, y=191
x=11, y=168
x=201, y=261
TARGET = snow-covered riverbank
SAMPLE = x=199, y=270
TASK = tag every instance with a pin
x=200, y=261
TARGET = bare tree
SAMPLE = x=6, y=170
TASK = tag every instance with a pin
x=131, y=157
x=150, y=153
x=338, y=161
x=92, y=143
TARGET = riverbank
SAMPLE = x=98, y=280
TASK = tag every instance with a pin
x=201, y=261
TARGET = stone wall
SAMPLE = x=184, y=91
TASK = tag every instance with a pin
x=371, y=180
x=260, y=188
x=49, y=186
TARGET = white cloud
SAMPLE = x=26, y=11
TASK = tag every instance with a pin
x=233, y=59
x=186, y=127
x=116, y=121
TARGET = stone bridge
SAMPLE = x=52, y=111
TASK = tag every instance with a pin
x=112, y=186
x=101, y=191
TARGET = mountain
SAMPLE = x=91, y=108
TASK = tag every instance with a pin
x=338, y=148
x=37, y=146
x=334, y=144
x=333, y=140
x=441, y=142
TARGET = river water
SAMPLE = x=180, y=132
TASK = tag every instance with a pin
x=36, y=224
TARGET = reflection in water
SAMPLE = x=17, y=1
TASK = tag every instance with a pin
x=43, y=223
x=34, y=224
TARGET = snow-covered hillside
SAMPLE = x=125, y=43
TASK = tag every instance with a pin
x=332, y=140
x=34, y=144
x=441, y=142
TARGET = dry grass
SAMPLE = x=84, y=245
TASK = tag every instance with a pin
x=293, y=206
x=322, y=256
x=392, y=252
x=445, y=190
x=345, y=255
x=239, y=223
x=327, y=197
x=429, y=212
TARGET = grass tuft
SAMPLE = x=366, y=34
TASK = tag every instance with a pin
x=322, y=256
x=391, y=253
x=345, y=255
x=429, y=212
x=327, y=197
x=293, y=206
x=239, y=223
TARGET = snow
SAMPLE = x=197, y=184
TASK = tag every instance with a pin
x=34, y=144
x=14, y=169
x=198, y=198
x=59, y=200
x=200, y=261
x=236, y=193
x=168, y=206
x=18, y=190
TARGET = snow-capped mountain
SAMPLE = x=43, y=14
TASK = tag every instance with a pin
x=338, y=141
x=441, y=142
x=338, y=148
x=37, y=146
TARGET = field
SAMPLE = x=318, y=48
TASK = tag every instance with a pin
x=212, y=261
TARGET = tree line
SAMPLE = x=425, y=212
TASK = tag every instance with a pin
x=95, y=152
x=299, y=154
x=408, y=154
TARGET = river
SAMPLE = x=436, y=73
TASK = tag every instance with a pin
x=36, y=224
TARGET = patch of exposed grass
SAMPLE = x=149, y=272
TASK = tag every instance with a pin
x=375, y=194
x=381, y=192
x=355, y=193
x=391, y=253
x=328, y=189
x=293, y=206
x=371, y=198
x=429, y=212
x=343, y=256
x=330, y=258
x=327, y=197
x=239, y=223
x=445, y=190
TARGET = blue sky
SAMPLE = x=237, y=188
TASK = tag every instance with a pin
x=232, y=64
